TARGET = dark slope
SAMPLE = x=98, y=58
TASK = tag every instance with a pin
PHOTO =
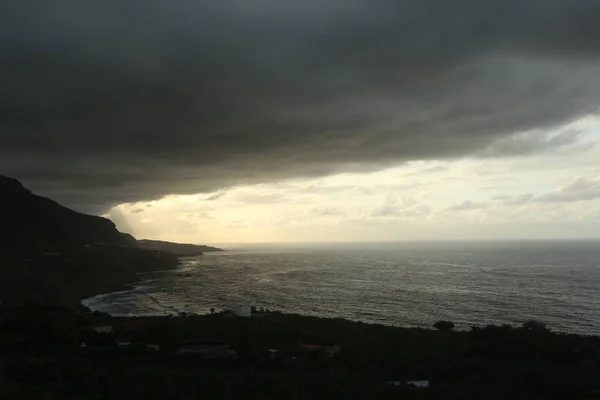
x=51, y=254
x=31, y=223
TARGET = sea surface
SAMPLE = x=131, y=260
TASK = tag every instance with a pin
x=402, y=284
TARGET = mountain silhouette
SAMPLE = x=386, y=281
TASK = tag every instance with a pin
x=34, y=224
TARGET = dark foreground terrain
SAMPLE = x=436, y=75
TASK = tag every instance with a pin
x=55, y=353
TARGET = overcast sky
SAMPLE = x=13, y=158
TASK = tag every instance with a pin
x=292, y=121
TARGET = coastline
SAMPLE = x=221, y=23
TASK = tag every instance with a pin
x=159, y=262
x=68, y=278
x=95, y=302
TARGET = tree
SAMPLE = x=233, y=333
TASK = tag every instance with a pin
x=444, y=326
x=212, y=310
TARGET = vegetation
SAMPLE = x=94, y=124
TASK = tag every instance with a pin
x=41, y=358
x=444, y=326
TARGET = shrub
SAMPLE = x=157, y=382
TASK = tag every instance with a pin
x=444, y=326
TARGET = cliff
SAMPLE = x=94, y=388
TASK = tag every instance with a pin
x=34, y=224
x=51, y=254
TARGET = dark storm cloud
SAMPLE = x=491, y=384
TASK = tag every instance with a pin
x=529, y=143
x=128, y=100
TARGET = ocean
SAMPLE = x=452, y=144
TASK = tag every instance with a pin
x=401, y=284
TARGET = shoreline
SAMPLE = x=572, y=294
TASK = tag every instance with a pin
x=130, y=282
x=138, y=284
x=69, y=277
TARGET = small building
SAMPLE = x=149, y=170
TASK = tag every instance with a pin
x=410, y=384
x=242, y=310
x=274, y=354
x=103, y=328
x=418, y=384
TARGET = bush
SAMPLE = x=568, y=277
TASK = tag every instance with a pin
x=444, y=326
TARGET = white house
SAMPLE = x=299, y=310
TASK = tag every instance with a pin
x=242, y=310
x=419, y=384
x=411, y=384
x=103, y=328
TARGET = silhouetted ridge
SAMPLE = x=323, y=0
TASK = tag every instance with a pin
x=10, y=184
x=31, y=223
x=180, y=249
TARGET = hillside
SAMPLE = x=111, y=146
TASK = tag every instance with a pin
x=34, y=224
x=51, y=254
x=179, y=249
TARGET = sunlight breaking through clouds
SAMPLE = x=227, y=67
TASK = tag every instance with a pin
x=550, y=194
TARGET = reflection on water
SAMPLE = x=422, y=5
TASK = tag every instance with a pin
x=398, y=284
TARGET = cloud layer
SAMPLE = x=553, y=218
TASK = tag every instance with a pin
x=129, y=100
x=554, y=195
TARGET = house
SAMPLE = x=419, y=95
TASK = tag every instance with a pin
x=103, y=328
x=242, y=310
x=418, y=384
x=273, y=354
x=410, y=384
